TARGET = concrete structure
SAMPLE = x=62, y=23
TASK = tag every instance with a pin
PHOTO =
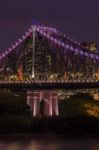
x=50, y=98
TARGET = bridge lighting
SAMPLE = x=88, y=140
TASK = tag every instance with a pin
x=30, y=30
x=97, y=57
x=44, y=34
x=48, y=36
x=52, y=39
x=92, y=55
x=72, y=48
x=6, y=52
x=3, y=55
x=10, y=49
x=23, y=37
x=37, y=29
x=86, y=54
x=76, y=50
x=13, y=46
x=67, y=46
x=16, y=43
x=62, y=44
x=59, y=42
x=81, y=52
x=55, y=40
x=41, y=32
x=20, y=40
x=27, y=33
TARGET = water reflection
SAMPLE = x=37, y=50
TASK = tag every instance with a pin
x=49, y=143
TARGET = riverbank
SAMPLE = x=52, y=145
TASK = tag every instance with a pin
x=79, y=116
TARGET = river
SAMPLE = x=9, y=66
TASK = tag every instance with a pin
x=47, y=142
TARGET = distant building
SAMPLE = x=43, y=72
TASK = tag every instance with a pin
x=92, y=46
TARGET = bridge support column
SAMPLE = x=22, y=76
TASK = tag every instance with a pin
x=50, y=107
x=50, y=99
x=51, y=102
x=45, y=96
x=54, y=97
x=33, y=101
x=36, y=103
x=30, y=100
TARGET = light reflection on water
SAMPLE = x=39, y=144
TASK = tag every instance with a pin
x=48, y=143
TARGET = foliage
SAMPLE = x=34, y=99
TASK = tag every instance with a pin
x=79, y=104
x=13, y=104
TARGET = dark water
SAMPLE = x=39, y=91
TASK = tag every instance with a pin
x=48, y=143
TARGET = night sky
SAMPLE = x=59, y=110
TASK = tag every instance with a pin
x=79, y=19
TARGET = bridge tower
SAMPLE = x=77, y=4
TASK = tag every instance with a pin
x=50, y=99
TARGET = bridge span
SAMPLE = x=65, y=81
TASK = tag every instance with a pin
x=38, y=91
x=45, y=60
x=52, y=85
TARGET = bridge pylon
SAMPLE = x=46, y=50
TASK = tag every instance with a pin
x=50, y=105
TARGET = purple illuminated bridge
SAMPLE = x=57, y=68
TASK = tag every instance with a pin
x=43, y=61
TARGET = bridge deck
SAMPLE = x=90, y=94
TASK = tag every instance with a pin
x=48, y=85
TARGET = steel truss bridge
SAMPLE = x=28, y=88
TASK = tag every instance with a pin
x=46, y=54
x=45, y=59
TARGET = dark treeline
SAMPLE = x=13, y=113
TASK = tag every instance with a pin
x=78, y=115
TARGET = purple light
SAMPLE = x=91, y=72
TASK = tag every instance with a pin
x=16, y=43
x=67, y=46
x=27, y=33
x=44, y=34
x=38, y=29
x=10, y=49
x=6, y=52
x=13, y=46
x=23, y=37
x=62, y=44
x=3, y=55
x=41, y=31
x=81, y=52
x=59, y=42
x=92, y=55
x=86, y=54
x=30, y=30
x=72, y=48
x=20, y=40
x=76, y=50
x=52, y=38
x=48, y=36
x=97, y=57
x=55, y=40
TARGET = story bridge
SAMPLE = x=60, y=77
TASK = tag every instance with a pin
x=45, y=60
